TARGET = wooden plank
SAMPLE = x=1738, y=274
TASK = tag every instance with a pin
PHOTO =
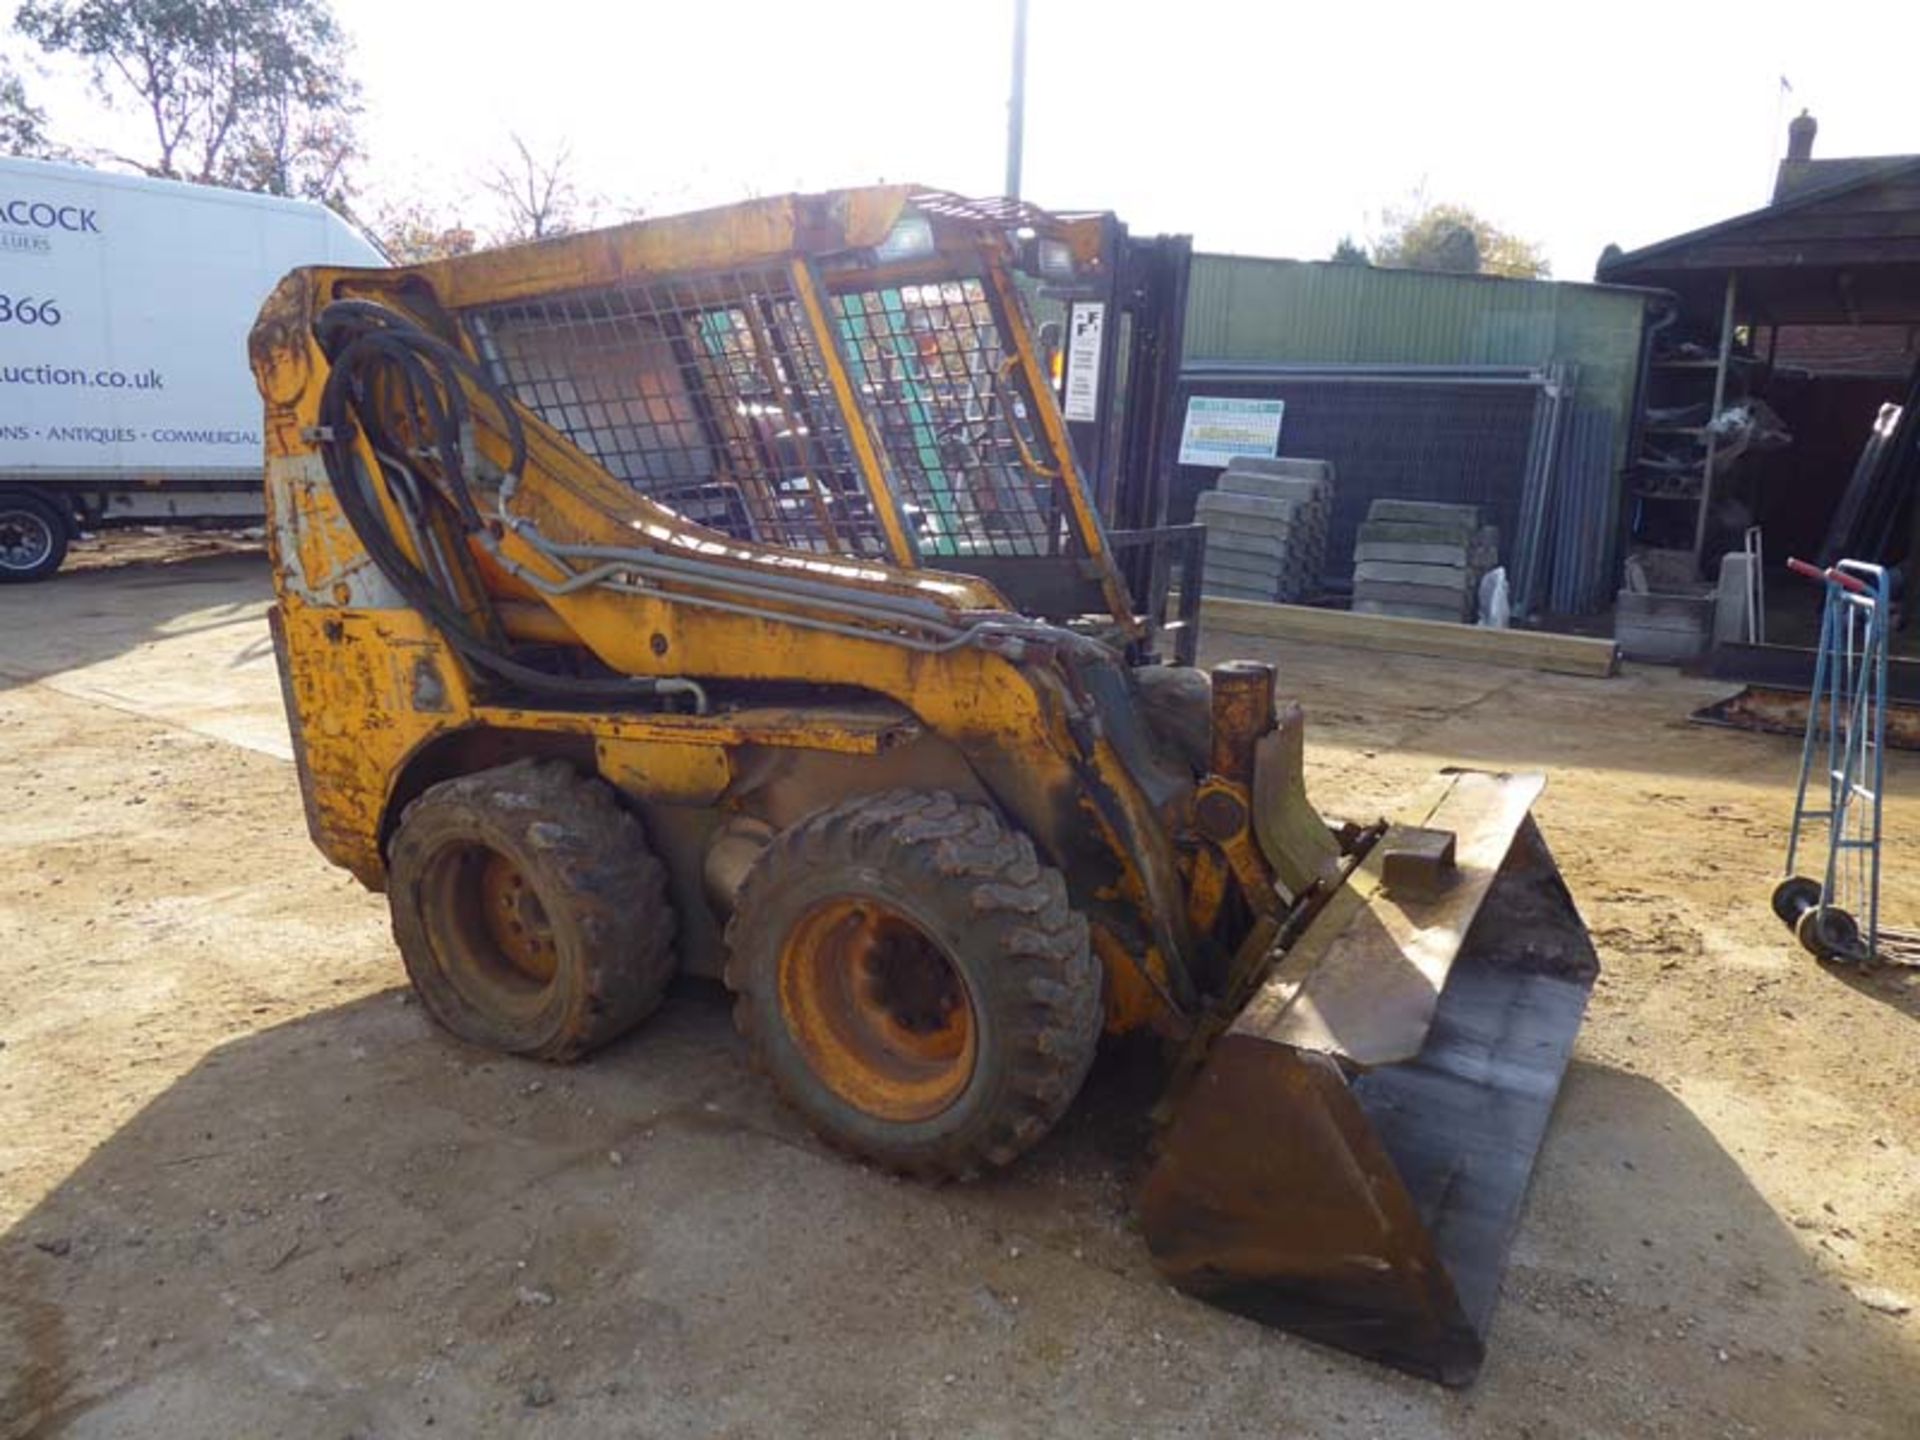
x=1519, y=649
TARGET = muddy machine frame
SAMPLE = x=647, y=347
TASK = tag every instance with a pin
x=721, y=593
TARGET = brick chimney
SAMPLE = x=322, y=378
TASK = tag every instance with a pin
x=1800, y=132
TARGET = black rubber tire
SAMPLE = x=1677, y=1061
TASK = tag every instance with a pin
x=34, y=517
x=1001, y=919
x=1793, y=897
x=1830, y=934
x=602, y=892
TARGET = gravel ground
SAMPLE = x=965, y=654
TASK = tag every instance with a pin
x=246, y=1190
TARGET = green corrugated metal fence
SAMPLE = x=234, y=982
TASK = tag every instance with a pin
x=1298, y=311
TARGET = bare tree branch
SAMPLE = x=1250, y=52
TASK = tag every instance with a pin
x=539, y=198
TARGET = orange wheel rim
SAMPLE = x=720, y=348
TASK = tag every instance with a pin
x=514, y=920
x=880, y=1012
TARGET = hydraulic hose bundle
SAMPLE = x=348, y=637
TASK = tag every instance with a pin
x=385, y=369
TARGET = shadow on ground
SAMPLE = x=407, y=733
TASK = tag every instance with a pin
x=1896, y=986
x=89, y=616
x=184, y=643
x=348, y=1225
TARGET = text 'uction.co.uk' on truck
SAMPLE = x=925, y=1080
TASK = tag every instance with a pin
x=124, y=309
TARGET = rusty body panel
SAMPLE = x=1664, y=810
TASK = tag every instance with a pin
x=482, y=482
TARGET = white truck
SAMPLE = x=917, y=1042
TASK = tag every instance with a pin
x=125, y=396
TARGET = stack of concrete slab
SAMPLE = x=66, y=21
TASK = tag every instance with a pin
x=1266, y=528
x=1422, y=559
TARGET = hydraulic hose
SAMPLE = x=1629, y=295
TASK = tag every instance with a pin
x=383, y=364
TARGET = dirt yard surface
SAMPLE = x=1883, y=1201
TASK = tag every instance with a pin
x=247, y=1191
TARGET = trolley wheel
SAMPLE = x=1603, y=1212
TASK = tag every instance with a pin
x=1793, y=897
x=1829, y=933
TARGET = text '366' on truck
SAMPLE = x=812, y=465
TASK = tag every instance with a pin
x=125, y=303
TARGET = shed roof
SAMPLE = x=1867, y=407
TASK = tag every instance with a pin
x=1797, y=177
x=1843, y=252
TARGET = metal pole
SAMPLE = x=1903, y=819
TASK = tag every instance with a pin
x=1719, y=399
x=1017, y=100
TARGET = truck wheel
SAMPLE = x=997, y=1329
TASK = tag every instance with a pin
x=33, y=538
x=915, y=982
x=531, y=914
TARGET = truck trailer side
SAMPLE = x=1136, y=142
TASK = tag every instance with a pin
x=125, y=397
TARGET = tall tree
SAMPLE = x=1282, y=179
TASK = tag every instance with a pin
x=411, y=233
x=1349, y=252
x=23, y=125
x=538, y=197
x=1453, y=238
x=299, y=138
x=253, y=93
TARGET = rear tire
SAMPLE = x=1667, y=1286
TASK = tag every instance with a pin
x=33, y=538
x=530, y=913
x=915, y=982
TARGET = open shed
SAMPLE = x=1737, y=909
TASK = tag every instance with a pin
x=1810, y=305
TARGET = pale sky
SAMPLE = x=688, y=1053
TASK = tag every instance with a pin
x=1259, y=128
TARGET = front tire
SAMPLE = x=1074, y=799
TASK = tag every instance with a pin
x=915, y=982
x=530, y=913
x=33, y=538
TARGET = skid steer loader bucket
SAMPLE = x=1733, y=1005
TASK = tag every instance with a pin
x=1351, y=1159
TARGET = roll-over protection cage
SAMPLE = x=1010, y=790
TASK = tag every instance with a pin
x=888, y=402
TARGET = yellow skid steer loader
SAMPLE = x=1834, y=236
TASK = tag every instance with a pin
x=721, y=592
